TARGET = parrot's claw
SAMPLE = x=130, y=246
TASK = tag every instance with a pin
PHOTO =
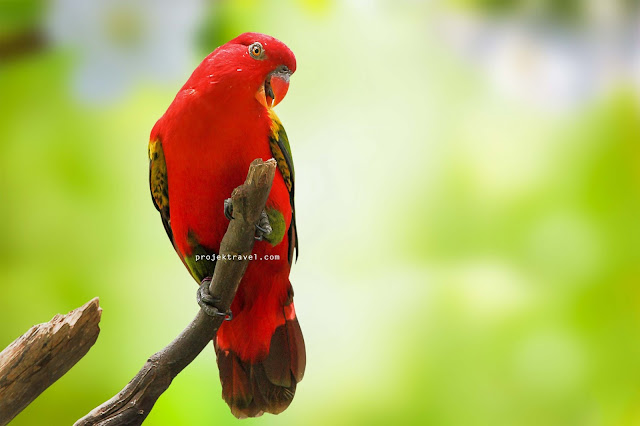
x=263, y=227
x=228, y=208
x=208, y=303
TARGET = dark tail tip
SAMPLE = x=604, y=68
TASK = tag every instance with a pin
x=253, y=388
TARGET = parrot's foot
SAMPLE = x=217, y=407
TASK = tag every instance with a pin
x=208, y=303
x=228, y=209
x=263, y=228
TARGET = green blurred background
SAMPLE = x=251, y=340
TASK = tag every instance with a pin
x=468, y=182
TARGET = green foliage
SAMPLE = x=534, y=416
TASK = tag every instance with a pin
x=18, y=16
x=563, y=10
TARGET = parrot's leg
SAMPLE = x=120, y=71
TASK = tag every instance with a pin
x=208, y=303
x=263, y=228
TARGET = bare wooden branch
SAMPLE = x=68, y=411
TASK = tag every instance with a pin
x=134, y=402
x=43, y=354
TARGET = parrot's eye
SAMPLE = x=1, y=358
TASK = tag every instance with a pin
x=256, y=51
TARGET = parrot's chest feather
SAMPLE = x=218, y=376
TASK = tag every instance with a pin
x=205, y=162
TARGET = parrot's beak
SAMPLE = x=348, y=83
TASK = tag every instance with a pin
x=274, y=88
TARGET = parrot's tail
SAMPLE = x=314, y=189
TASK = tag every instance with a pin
x=266, y=385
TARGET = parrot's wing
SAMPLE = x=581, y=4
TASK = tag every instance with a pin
x=158, y=183
x=279, y=143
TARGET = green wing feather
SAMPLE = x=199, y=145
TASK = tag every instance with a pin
x=158, y=184
x=279, y=143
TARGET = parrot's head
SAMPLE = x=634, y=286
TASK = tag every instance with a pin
x=252, y=66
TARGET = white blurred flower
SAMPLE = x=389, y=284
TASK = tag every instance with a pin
x=121, y=42
x=545, y=64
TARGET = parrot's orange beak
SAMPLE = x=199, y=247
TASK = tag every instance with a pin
x=275, y=87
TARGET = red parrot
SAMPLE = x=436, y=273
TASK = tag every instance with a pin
x=199, y=151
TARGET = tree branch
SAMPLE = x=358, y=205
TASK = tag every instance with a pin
x=134, y=402
x=43, y=354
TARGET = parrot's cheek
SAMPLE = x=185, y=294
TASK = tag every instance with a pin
x=262, y=97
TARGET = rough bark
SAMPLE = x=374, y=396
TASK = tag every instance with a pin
x=43, y=354
x=134, y=402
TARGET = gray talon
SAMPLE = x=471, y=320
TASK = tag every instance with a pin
x=228, y=209
x=208, y=303
x=263, y=227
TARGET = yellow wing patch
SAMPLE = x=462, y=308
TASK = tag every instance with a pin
x=158, y=183
x=275, y=142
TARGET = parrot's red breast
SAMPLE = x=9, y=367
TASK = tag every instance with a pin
x=200, y=150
